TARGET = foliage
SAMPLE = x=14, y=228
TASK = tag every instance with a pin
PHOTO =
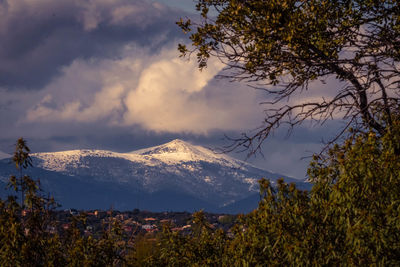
x=144, y=249
x=81, y=250
x=359, y=191
x=283, y=46
x=22, y=160
x=202, y=247
x=351, y=216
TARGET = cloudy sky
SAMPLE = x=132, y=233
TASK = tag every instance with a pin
x=106, y=74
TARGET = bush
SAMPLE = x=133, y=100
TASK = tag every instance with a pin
x=350, y=217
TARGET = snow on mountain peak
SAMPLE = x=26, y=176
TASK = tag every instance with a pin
x=171, y=153
x=180, y=151
x=175, y=146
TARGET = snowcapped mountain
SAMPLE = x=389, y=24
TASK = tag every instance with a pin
x=173, y=176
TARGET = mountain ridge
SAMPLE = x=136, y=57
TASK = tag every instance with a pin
x=171, y=169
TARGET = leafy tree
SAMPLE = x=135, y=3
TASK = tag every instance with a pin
x=204, y=246
x=358, y=188
x=81, y=250
x=22, y=160
x=350, y=217
x=144, y=250
x=283, y=46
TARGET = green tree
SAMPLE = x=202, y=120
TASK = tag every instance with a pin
x=22, y=161
x=350, y=217
x=283, y=46
x=81, y=250
x=204, y=246
x=358, y=187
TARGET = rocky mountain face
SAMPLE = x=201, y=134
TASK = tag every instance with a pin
x=175, y=176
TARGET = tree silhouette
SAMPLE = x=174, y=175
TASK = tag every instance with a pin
x=284, y=46
x=22, y=161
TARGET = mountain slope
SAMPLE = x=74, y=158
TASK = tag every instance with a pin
x=173, y=176
x=4, y=155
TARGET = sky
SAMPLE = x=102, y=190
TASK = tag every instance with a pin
x=106, y=74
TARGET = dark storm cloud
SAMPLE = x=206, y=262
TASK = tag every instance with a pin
x=37, y=38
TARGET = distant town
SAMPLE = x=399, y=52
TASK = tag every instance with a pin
x=136, y=222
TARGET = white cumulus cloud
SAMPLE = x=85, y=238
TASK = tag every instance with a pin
x=160, y=93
